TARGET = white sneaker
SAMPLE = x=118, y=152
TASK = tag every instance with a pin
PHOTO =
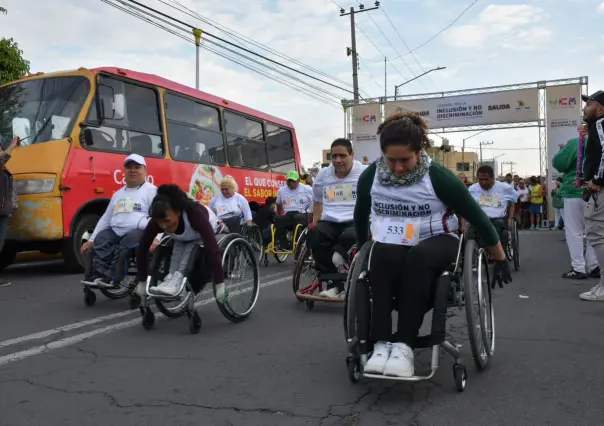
x=221, y=293
x=140, y=289
x=332, y=292
x=596, y=294
x=400, y=363
x=170, y=287
x=377, y=362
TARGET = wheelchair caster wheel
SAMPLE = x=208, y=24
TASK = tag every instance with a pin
x=310, y=304
x=194, y=323
x=460, y=376
x=89, y=297
x=135, y=301
x=354, y=369
x=148, y=319
x=265, y=262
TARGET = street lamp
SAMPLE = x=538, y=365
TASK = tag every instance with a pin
x=463, y=145
x=415, y=78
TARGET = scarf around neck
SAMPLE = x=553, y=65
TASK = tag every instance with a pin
x=387, y=178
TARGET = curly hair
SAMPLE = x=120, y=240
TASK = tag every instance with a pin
x=406, y=128
x=169, y=197
x=230, y=182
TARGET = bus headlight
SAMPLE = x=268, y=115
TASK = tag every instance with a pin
x=34, y=186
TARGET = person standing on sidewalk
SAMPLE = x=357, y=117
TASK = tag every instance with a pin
x=593, y=173
x=558, y=206
x=583, y=263
x=8, y=197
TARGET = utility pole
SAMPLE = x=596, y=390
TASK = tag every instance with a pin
x=481, y=144
x=352, y=51
x=385, y=80
x=511, y=164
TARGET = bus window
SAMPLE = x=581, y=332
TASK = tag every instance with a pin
x=280, y=146
x=194, y=131
x=245, y=142
x=136, y=129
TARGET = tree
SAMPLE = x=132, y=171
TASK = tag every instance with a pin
x=12, y=64
x=314, y=170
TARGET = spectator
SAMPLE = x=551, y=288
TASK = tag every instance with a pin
x=536, y=194
x=8, y=196
x=365, y=160
x=307, y=179
x=558, y=205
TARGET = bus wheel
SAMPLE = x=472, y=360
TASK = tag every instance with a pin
x=74, y=260
x=7, y=256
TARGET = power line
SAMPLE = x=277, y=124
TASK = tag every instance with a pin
x=240, y=47
x=318, y=96
x=366, y=68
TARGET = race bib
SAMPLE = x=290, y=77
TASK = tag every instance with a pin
x=289, y=201
x=339, y=193
x=223, y=210
x=124, y=205
x=489, y=200
x=402, y=232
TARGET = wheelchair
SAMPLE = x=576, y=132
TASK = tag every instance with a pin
x=305, y=266
x=233, y=247
x=512, y=251
x=252, y=234
x=465, y=284
x=126, y=261
x=295, y=238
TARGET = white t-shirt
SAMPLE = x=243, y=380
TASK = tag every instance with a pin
x=338, y=196
x=495, y=201
x=128, y=210
x=524, y=194
x=296, y=200
x=233, y=206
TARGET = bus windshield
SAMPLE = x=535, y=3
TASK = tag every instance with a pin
x=41, y=110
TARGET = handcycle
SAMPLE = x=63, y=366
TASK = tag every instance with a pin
x=305, y=265
x=236, y=254
x=126, y=261
x=465, y=284
x=294, y=237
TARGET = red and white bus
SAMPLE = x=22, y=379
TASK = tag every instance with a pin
x=78, y=126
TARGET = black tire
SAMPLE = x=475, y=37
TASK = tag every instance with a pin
x=356, y=324
x=159, y=270
x=253, y=235
x=7, y=256
x=301, y=241
x=194, y=323
x=89, y=297
x=120, y=291
x=299, y=267
x=148, y=319
x=354, y=369
x=231, y=246
x=460, y=375
x=516, y=243
x=74, y=260
x=280, y=257
x=472, y=256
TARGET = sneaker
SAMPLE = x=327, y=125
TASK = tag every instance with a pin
x=140, y=289
x=595, y=273
x=400, y=363
x=5, y=283
x=574, y=275
x=221, y=293
x=169, y=287
x=377, y=362
x=596, y=294
x=332, y=292
x=532, y=228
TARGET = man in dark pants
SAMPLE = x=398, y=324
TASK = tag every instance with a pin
x=293, y=205
x=334, y=198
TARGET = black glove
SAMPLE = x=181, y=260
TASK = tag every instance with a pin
x=503, y=274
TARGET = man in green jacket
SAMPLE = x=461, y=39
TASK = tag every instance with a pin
x=583, y=264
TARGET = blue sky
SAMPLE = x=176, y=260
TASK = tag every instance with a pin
x=493, y=43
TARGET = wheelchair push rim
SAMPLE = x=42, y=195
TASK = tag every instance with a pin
x=238, y=257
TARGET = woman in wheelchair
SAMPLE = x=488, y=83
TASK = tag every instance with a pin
x=187, y=223
x=409, y=201
x=230, y=206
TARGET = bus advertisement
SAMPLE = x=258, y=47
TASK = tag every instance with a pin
x=78, y=126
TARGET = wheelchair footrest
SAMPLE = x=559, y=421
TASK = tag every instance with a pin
x=427, y=341
x=312, y=297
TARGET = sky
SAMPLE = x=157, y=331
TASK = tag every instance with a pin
x=493, y=43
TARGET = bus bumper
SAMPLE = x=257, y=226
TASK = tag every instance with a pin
x=36, y=219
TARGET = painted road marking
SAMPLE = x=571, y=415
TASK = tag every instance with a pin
x=81, y=324
x=68, y=341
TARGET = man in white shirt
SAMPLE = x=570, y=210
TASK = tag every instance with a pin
x=121, y=227
x=334, y=198
x=293, y=205
x=497, y=199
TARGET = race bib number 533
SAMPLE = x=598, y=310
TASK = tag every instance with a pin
x=403, y=232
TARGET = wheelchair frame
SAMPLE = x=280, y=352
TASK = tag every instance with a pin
x=307, y=294
x=282, y=255
x=187, y=305
x=119, y=291
x=454, y=288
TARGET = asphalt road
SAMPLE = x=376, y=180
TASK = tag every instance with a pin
x=62, y=363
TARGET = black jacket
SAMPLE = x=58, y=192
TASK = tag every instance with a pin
x=265, y=217
x=593, y=164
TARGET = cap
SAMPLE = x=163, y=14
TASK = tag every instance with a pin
x=597, y=96
x=136, y=158
x=292, y=175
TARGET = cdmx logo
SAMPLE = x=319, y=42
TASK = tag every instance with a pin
x=563, y=102
x=372, y=118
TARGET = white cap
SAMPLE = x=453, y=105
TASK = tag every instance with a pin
x=138, y=159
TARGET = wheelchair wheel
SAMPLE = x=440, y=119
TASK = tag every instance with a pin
x=301, y=241
x=478, y=305
x=125, y=258
x=253, y=235
x=516, y=245
x=281, y=257
x=238, y=257
x=304, y=269
x=159, y=270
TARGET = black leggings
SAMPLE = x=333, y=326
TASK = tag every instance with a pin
x=409, y=275
x=285, y=223
x=329, y=237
